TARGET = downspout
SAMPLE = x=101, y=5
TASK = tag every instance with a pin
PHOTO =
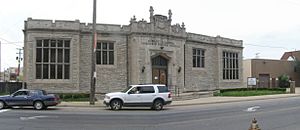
x=184, y=65
x=127, y=63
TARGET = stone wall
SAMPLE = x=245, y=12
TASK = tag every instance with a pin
x=61, y=85
x=112, y=78
x=206, y=78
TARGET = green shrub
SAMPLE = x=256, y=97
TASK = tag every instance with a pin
x=4, y=93
x=284, y=81
x=250, y=91
x=74, y=96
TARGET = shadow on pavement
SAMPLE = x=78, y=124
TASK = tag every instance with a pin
x=136, y=109
x=31, y=108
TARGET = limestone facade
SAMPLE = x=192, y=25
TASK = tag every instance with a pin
x=143, y=52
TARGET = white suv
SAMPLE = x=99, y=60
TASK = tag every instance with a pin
x=144, y=95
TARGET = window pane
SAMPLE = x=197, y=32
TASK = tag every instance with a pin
x=98, y=45
x=147, y=89
x=52, y=72
x=67, y=43
x=230, y=63
x=60, y=43
x=202, y=53
x=198, y=61
x=53, y=56
x=67, y=72
x=194, y=61
x=233, y=63
x=227, y=63
x=46, y=43
x=59, y=71
x=111, y=57
x=162, y=89
x=39, y=43
x=104, y=45
x=38, y=54
x=53, y=43
x=46, y=55
x=45, y=71
x=224, y=75
x=202, y=62
x=104, y=57
x=67, y=55
x=38, y=71
x=59, y=55
x=227, y=74
x=98, y=57
x=111, y=46
x=198, y=52
x=194, y=51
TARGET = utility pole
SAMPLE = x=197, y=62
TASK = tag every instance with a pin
x=19, y=59
x=93, y=73
x=0, y=57
x=4, y=75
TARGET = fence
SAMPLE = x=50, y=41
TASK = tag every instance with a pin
x=10, y=87
x=174, y=90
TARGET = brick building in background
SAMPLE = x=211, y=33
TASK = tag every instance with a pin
x=57, y=56
x=267, y=71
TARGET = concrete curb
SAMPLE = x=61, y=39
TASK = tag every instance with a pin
x=185, y=102
x=231, y=101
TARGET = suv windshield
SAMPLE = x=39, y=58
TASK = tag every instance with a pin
x=126, y=89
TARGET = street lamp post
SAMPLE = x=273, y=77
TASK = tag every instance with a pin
x=93, y=74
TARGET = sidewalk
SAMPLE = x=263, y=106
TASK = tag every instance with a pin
x=200, y=101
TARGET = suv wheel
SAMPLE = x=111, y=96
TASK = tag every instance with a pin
x=2, y=105
x=116, y=104
x=158, y=105
x=38, y=105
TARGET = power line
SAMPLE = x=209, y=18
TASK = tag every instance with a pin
x=277, y=47
x=12, y=43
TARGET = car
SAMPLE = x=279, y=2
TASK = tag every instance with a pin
x=39, y=99
x=142, y=95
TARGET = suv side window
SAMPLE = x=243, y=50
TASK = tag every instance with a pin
x=147, y=89
x=162, y=89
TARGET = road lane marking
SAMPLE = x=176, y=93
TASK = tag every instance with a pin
x=4, y=110
x=252, y=109
x=35, y=117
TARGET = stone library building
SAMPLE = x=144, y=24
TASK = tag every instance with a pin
x=58, y=56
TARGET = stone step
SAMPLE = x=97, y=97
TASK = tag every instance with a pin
x=190, y=96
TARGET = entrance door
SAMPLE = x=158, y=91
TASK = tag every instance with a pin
x=159, y=70
x=264, y=80
x=159, y=76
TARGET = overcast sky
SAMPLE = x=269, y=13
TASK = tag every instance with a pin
x=267, y=27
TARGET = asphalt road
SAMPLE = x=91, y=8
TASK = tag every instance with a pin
x=274, y=114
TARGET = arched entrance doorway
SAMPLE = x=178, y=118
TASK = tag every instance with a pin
x=159, y=70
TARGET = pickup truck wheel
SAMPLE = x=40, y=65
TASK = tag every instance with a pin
x=38, y=105
x=158, y=105
x=116, y=104
x=2, y=105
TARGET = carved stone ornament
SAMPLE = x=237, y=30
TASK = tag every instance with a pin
x=161, y=25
